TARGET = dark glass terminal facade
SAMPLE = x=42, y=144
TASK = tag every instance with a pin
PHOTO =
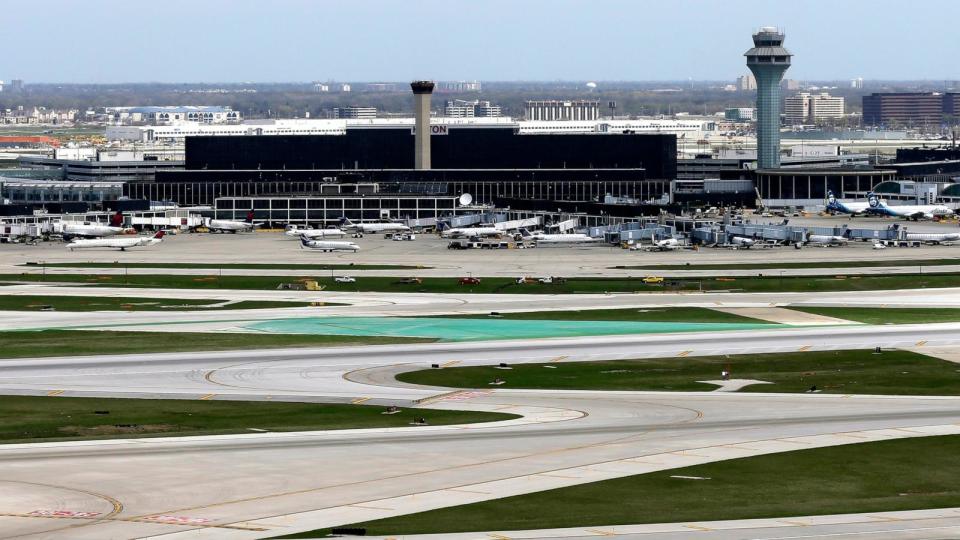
x=461, y=148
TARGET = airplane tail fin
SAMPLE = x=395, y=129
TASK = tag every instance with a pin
x=524, y=233
x=159, y=235
x=250, y=217
x=345, y=221
x=116, y=220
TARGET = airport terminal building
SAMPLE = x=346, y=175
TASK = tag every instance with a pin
x=369, y=173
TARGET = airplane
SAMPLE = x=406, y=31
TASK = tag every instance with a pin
x=327, y=246
x=823, y=240
x=565, y=238
x=93, y=229
x=378, y=227
x=852, y=208
x=933, y=238
x=226, y=225
x=914, y=212
x=313, y=234
x=667, y=244
x=118, y=243
x=741, y=242
x=468, y=232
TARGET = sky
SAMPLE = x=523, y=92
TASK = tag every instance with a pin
x=110, y=41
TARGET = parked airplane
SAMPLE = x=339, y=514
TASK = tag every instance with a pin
x=933, y=238
x=327, y=245
x=915, y=212
x=377, y=227
x=468, y=232
x=313, y=234
x=117, y=243
x=667, y=244
x=226, y=225
x=564, y=238
x=852, y=208
x=741, y=242
x=93, y=229
x=823, y=240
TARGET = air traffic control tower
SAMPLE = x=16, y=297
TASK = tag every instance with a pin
x=768, y=61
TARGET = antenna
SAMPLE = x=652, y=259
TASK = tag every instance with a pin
x=466, y=199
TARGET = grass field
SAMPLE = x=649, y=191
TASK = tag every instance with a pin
x=107, y=303
x=28, y=344
x=673, y=314
x=833, y=372
x=787, y=265
x=36, y=419
x=903, y=474
x=872, y=315
x=509, y=285
x=228, y=266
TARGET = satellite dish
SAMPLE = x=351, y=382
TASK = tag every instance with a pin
x=466, y=199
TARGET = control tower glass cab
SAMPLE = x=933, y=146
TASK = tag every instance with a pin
x=768, y=61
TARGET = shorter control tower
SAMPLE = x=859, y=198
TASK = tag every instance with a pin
x=421, y=114
x=768, y=61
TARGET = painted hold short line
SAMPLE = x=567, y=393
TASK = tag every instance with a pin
x=207, y=397
x=55, y=392
x=360, y=400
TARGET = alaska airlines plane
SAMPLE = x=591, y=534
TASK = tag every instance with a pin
x=852, y=208
x=915, y=212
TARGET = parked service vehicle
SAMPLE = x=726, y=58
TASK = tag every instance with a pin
x=345, y=279
x=469, y=281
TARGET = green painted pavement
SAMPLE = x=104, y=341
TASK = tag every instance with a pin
x=446, y=329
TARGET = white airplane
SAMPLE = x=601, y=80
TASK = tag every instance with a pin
x=823, y=240
x=565, y=238
x=667, y=244
x=377, y=227
x=230, y=226
x=117, y=243
x=327, y=246
x=314, y=234
x=915, y=212
x=933, y=238
x=468, y=232
x=852, y=208
x=741, y=242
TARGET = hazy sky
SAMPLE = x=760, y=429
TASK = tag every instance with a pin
x=369, y=40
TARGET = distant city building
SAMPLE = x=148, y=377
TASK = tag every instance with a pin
x=38, y=115
x=768, y=61
x=321, y=88
x=166, y=115
x=355, y=112
x=856, y=83
x=740, y=114
x=806, y=108
x=457, y=87
x=344, y=87
x=459, y=108
x=746, y=83
x=382, y=87
x=790, y=85
x=16, y=85
x=908, y=108
x=1, y=86
x=562, y=110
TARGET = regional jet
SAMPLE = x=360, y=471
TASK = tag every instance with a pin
x=377, y=227
x=327, y=246
x=226, y=225
x=117, y=243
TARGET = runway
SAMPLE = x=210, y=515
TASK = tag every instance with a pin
x=265, y=484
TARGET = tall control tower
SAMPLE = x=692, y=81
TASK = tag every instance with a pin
x=768, y=61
